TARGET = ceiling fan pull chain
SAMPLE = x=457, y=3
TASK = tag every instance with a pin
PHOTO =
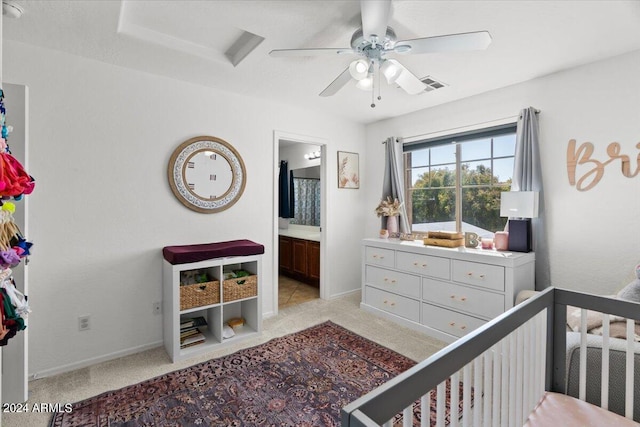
x=379, y=85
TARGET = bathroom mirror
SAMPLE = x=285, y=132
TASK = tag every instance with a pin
x=206, y=174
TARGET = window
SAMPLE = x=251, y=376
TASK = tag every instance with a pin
x=454, y=183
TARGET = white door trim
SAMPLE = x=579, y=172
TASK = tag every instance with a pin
x=324, y=208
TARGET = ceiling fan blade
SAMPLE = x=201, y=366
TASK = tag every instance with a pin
x=337, y=84
x=478, y=40
x=310, y=52
x=408, y=81
x=375, y=17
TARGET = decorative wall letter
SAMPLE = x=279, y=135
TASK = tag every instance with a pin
x=582, y=156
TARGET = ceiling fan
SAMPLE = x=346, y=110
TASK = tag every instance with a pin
x=375, y=40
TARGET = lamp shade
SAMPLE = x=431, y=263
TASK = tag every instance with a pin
x=519, y=204
x=391, y=70
x=359, y=69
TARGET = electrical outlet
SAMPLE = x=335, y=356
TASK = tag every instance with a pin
x=157, y=308
x=84, y=323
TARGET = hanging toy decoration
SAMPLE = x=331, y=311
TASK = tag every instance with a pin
x=15, y=182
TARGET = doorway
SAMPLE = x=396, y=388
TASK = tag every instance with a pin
x=299, y=219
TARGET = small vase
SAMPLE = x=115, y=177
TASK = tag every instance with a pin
x=384, y=234
x=392, y=225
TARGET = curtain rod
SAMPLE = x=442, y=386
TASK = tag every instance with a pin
x=451, y=130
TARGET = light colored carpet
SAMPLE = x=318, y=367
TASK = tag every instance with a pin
x=84, y=383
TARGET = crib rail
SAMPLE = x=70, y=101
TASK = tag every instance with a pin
x=504, y=368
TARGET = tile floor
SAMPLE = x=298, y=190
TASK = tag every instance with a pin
x=291, y=292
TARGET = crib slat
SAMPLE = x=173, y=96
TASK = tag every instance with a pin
x=425, y=407
x=519, y=375
x=582, y=385
x=526, y=386
x=541, y=359
x=512, y=381
x=466, y=395
x=407, y=416
x=533, y=400
x=455, y=401
x=628, y=396
x=486, y=410
x=604, y=391
x=497, y=380
x=441, y=398
x=478, y=392
x=504, y=389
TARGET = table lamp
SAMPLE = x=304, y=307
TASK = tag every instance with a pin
x=519, y=207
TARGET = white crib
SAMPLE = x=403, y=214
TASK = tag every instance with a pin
x=508, y=366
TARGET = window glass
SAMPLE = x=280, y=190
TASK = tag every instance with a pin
x=486, y=170
x=443, y=154
x=433, y=209
x=474, y=150
x=504, y=145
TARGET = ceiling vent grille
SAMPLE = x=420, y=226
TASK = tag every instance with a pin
x=432, y=83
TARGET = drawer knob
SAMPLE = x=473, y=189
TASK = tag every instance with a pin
x=452, y=297
x=452, y=324
x=424, y=265
x=392, y=304
x=416, y=263
x=470, y=274
x=463, y=298
x=463, y=327
x=385, y=301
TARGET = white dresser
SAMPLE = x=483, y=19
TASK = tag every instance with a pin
x=444, y=292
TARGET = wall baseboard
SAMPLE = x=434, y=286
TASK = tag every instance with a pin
x=93, y=361
x=341, y=294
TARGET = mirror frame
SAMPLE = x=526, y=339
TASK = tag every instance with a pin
x=178, y=184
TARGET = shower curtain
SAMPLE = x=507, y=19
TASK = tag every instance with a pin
x=306, y=196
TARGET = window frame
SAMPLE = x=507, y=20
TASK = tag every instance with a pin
x=458, y=139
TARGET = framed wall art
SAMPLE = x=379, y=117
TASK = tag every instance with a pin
x=348, y=170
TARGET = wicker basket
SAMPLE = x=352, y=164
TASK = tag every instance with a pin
x=239, y=288
x=199, y=294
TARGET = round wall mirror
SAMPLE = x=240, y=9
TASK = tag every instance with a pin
x=206, y=174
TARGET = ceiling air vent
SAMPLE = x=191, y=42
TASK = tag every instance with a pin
x=432, y=84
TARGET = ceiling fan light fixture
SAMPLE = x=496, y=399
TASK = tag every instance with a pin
x=391, y=70
x=359, y=69
x=365, y=84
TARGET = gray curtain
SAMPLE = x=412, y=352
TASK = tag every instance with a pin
x=393, y=182
x=527, y=176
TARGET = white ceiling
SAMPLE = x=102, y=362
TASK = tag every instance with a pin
x=186, y=40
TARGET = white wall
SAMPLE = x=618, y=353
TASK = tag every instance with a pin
x=594, y=236
x=102, y=210
x=294, y=155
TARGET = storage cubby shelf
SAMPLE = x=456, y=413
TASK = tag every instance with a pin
x=216, y=315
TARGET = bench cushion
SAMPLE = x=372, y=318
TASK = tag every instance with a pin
x=555, y=410
x=193, y=253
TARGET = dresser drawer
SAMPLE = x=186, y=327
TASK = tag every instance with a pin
x=389, y=280
x=423, y=264
x=450, y=322
x=378, y=256
x=392, y=303
x=463, y=298
x=477, y=274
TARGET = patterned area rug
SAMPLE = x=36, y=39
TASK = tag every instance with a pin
x=302, y=379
